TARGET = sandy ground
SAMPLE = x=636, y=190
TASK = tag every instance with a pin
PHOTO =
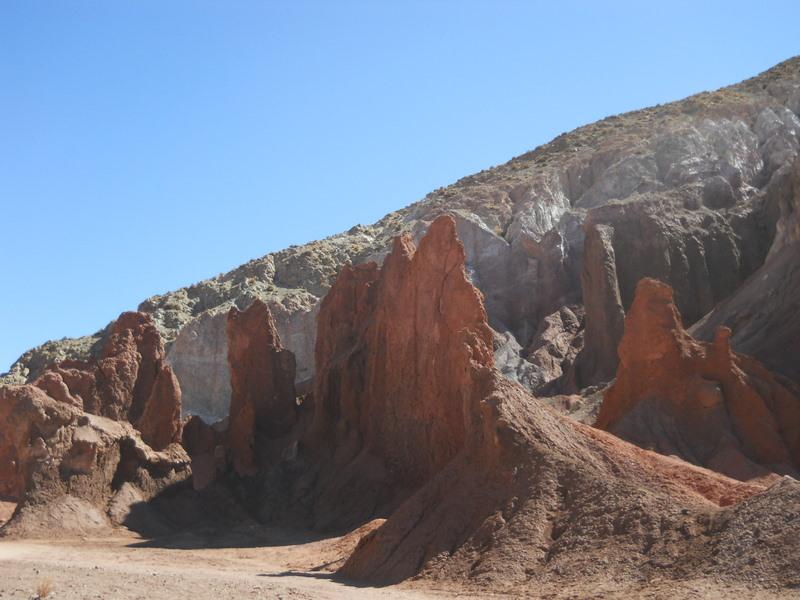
x=121, y=567
x=127, y=567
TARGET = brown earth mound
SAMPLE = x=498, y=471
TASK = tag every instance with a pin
x=697, y=400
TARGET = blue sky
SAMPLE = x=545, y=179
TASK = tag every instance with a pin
x=145, y=145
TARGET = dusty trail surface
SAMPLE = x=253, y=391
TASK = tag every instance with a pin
x=125, y=567
x=121, y=567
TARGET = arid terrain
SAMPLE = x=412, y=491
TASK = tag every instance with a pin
x=574, y=375
x=121, y=567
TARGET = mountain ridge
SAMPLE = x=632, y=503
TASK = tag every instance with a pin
x=522, y=224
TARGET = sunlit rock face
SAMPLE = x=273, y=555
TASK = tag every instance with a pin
x=697, y=400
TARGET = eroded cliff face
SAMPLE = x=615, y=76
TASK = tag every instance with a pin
x=400, y=350
x=700, y=401
x=262, y=383
x=763, y=314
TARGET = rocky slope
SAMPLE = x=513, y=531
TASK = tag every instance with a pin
x=688, y=192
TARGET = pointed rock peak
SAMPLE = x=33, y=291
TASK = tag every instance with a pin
x=399, y=352
x=262, y=376
x=653, y=326
x=441, y=244
x=257, y=316
x=674, y=394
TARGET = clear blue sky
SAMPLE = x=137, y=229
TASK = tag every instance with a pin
x=145, y=145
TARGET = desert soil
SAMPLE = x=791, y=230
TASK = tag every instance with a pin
x=126, y=567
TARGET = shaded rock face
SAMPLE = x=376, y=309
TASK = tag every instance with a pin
x=700, y=253
x=262, y=375
x=67, y=468
x=206, y=446
x=129, y=381
x=764, y=312
x=399, y=351
x=698, y=400
x=604, y=313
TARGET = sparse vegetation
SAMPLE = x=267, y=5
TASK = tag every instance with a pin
x=44, y=588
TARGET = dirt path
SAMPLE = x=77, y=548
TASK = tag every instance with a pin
x=118, y=568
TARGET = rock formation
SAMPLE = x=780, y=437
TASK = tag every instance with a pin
x=604, y=313
x=262, y=376
x=88, y=440
x=75, y=472
x=697, y=400
x=129, y=381
x=764, y=312
x=480, y=482
x=503, y=490
x=395, y=349
x=685, y=186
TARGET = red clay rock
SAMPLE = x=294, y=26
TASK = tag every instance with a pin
x=698, y=400
x=66, y=468
x=27, y=417
x=160, y=424
x=262, y=383
x=205, y=446
x=507, y=490
x=398, y=353
x=129, y=380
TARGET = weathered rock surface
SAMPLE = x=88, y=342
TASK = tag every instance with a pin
x=764, y=312
x=696, y=400
x=510, y=492
x=67, y=468
x=129, y=380
x=604, y=314
x=686, y=187
x=262, y=383
x=395, y=353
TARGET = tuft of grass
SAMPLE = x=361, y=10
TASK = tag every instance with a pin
x=44, y=588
